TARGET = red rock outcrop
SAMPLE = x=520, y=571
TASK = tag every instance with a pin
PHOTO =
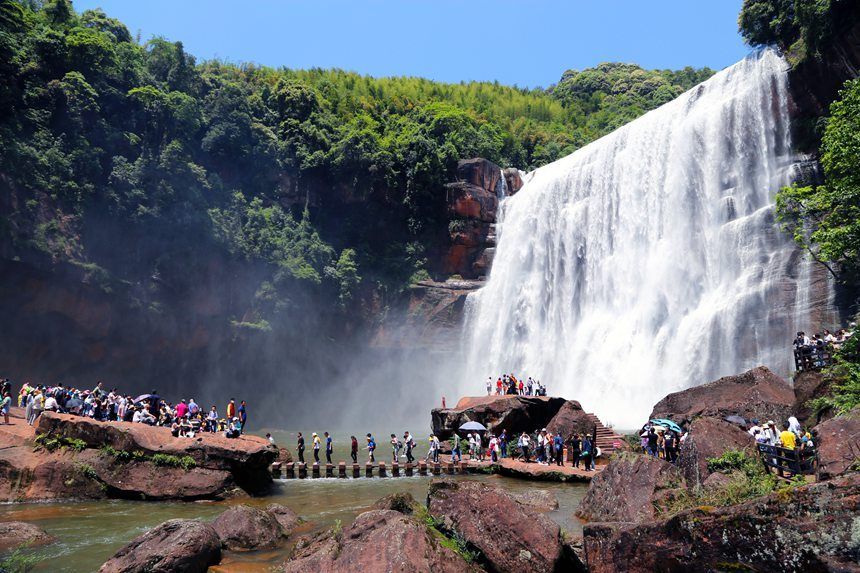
x=515, y=414
x=809, y=385
x=569, y=420
x=246, y=528
x=709, y=438
x=755, y=394
x=628, y=489
x=838, y=445
x=221, y=467
x=378, y=540
x=811, y=528
x=185, y=545
x=472, y=205
x=508, y=535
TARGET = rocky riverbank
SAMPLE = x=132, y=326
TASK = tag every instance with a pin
x=67, y=457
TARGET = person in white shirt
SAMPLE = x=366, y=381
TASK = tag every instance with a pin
x=51, y=404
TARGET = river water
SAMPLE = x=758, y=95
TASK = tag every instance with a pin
x=90, y=532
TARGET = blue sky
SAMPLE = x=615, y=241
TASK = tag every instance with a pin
x=525, y=42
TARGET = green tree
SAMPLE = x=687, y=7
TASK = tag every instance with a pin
x=826, y=218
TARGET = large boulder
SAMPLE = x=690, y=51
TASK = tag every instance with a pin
x=402, y=502
x=709, y=438
x=185, y=545
x=378, y=540
x=508, y=535
x=246, y=528
x=569, y=420
x=479, y=172
x=838, y=445
x=809, y=385
x=246, y=459
x=285, y=516
x=515, y=414
x=811, y=528
x=629, y=489
x=755, y=394
x=15, y=534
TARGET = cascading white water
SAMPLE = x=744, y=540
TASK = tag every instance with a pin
x=649, y=260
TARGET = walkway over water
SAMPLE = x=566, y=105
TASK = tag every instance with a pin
x=506, y=466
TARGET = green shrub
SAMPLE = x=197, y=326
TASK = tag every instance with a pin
x=20, y=560
x=51, y=442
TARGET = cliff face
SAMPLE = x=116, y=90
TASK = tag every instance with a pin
x=815, y=82
x=473, y=204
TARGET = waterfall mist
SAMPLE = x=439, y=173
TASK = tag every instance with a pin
x=650, y=260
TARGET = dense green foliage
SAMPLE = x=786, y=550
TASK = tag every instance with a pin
x=826, y=218
x=844, y=373
x=800, y=27
x=137, y=163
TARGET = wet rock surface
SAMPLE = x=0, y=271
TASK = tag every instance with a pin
x=14, y=534
x=629, y=488
x=378, y=540
x=811, y=528
x=508, y=535
x=185, y=545
x=539, y=499
x=246, y=528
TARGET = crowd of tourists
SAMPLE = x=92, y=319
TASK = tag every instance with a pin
x=185, y=418
x=661, y=442
x=791, y=435
x=508, y=384
x=541, y=447
x=817, y=350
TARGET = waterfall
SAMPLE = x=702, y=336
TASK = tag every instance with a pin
x=650, y=260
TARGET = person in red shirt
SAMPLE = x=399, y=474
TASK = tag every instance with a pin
x=231, y=409
x=499, y=386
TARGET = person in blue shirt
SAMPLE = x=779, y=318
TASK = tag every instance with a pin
x=371, y=446
x=243, y=415
x=558, y=445
x=503, y=443
x=587, y=455
x=328, y=447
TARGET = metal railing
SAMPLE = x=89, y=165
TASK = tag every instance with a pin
x=788, y=461
x=812, y=357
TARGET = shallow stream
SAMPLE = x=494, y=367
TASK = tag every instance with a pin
x=90, y=532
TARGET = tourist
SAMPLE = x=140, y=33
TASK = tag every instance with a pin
x=51, y=404
x=243, y=414
x=395, y=448
x=212, y=419
x=300, y=448
x=494, y=449
x=409, y=442
x=489, y=386
x=234, y=430
x=524, y=447
x=787, y=438
x=503, y=443
x=231, y=409
x=354, y=449
x=541, y=447
x=473, y=448
x=433, y=452
x=499, y=387
x=559, y=450
x=575, y=450
x=455, y=451
x=5, y=404
x=371, y=447
x=652, y=442
x=794, y=426
x=669, y=443
x=587, y=454
x=329, y=446
x=316, y=443
x=270, y=438
x=193, y=408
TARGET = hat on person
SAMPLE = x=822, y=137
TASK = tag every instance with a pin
x=771, y=423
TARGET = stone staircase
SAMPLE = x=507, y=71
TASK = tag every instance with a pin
x=606, y=437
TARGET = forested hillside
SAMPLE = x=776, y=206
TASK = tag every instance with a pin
x=136, y=161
